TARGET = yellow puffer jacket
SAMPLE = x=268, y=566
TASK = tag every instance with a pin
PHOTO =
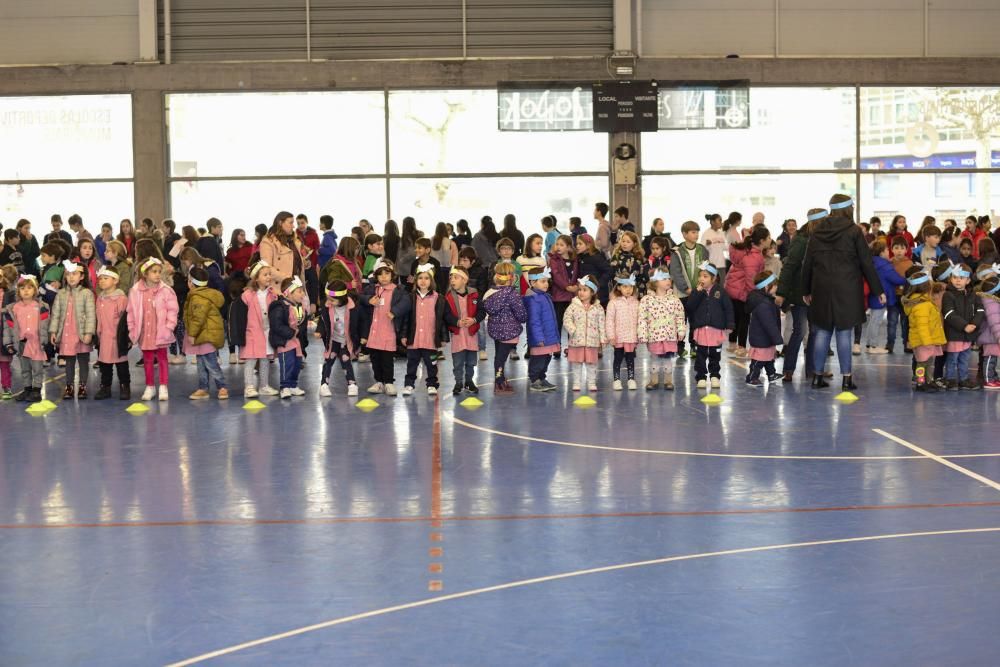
x=202, y=317
x=926, y=325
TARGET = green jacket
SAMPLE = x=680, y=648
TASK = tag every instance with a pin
x=83, y=306
x=203, y=317
x=790, y=279
x=124, y=270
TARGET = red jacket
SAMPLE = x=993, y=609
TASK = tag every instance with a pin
x=310, y=239
x=452, y=314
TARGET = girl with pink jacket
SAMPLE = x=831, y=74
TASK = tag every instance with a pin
x=152, y=317
x=747, y=259
x=255, y=348
x=622, y=323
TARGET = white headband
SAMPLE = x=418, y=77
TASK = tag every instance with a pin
x=296, y=284
x=71, y=266
x=426, y=268
x=150, y=262
x=105, y=272
x=197, y=283
x=257, y=267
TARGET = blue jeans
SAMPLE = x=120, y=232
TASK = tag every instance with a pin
x=288, y=369
x=464, y=366
x=481, y=337
x=208, y=369
x=538, y=364
x=800, y=327
x=821, y=345
x=895, y=316
x=956, y=365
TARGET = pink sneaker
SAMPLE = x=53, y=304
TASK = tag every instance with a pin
x=992, y=385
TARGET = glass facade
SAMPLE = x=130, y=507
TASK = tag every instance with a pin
x=66, y=154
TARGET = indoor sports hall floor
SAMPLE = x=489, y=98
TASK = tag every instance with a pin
x=780, y=527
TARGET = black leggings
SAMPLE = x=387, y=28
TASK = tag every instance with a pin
x=124, y=377
x=382, y=366
x=71, y=361
x=501, y=351
x=629, y=358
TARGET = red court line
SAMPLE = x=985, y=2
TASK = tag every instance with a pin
x=490, y=517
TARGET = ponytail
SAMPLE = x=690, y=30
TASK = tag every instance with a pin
x=758, y=234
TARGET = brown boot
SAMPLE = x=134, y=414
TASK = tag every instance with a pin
x=125, y=392
x=68, y=392
x=81, y=393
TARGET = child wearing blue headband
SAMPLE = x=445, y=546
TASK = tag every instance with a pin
x=711, y=316
x=584, y=322
x=926, y=333
x=963, y=315
x=542, y=328
x=989, y=334
x=764, y=330
x=662, y=327
x=623, y=328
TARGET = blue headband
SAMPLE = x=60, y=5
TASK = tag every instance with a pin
x=842, y=204
x=630, y=280
x=709, y=268
x=588, y=283
x=766, y=281
x=994, y=290
x=817, y=216
x=947, y=272
x=959, y=272
x=918, y=279
x=659, y=275
x=544, y=275
x=987, y=271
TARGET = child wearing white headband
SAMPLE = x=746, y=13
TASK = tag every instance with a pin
x=204, y=333
x=113, y=344
x=286, y=317
x=74, y=324
x=25, y=331
x=152, y=318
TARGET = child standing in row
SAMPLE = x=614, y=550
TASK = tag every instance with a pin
x=507, y=316
x=25, y=331
x=565, y=270
x=765, y=329
x=711, y=313
x=8, y=295
x=662, y=328
x=623, y=326
x=543, y=328
x=423, y=333
x=249, y=329
x=463, y=315
x=112, y=335
x=204, y=333
x=285, y=315
x=388, y=306
x=339, y=327
x=989, y=335
x=926, y=333
x=963, y=315
x=585, y=324
x=73, y=326
x=152, y=317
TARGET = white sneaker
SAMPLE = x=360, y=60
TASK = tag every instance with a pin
x=233, y=359
x=407, y=391
x=363, y=358
x=250, y=392
x=432, y=391
x=286, y=393
x=297, y=391
x=242, y=361
x=482, y=355
x=149, y=393
x=716, y=383
x=163, y=392
x=617, y=386
x=352, y=389
x=576, y=386
x=592, y=388
x=324, y=390
x=175, y=359
x=633, y=385
x=376, y=388
x=878, y=350
x=856, y=349
x=268, y=390
x=390, y=389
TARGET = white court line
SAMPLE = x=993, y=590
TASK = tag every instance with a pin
x=582, y=445
x=943, y=461
x=556, y=577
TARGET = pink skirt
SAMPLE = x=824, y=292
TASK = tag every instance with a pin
x=957, y=346
x=545, y=349
x=924, y=353
x=990, y=350
x=197, y=350
x=582, y=355
x=628, y=347
x=762, y=353
x=709, y=336
x=662, y=347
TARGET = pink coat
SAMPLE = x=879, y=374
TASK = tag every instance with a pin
x=746, y=265
x=109, y=312
x=165, y=304
x=256, y=341
x=622, y=320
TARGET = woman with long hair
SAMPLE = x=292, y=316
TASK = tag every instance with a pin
x=463, y=237
x=510, y=231
x=444, y=250
x=390, y=241
x=485, y=241
x=280, y=249
x=126, y=234
x=239, y=252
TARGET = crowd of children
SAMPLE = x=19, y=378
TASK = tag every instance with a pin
x=678, y=302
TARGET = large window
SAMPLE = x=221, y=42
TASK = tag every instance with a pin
x=66, y=154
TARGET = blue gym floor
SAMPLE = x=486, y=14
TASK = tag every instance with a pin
x=775, y=528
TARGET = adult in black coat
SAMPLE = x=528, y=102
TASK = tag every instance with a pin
x=836, y=262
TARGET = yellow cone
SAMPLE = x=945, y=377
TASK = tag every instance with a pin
x=137, y=409
x=585, y=402
x=37, y=409
x=366, y=404
x=48, y=405
x=253, y=405
x=845, y=397
x=712, y=399
x=471, y=402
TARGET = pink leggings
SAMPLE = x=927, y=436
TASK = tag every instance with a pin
x=160, y=356
x=5, y=379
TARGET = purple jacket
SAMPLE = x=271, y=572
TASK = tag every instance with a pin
x=561, y=278
x=505, y=308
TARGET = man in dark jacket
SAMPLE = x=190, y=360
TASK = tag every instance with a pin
x=28, y=247
x=210, y=245
x=789, y=297
x=57, y=231
x=836, y=260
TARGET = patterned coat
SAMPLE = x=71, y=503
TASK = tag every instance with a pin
x=585, y=326
x=661, y=318
x=622, y=320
